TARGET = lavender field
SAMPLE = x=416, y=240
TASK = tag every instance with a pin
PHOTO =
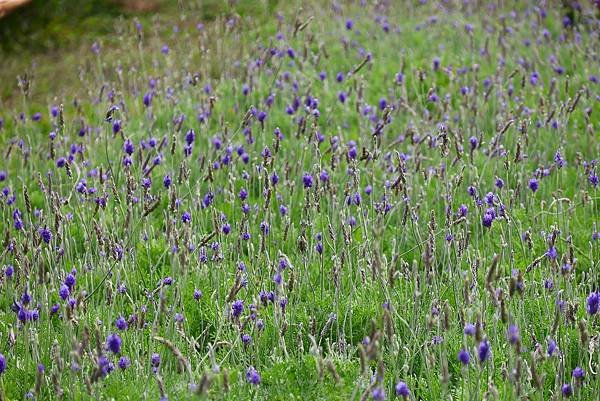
x=316, y=200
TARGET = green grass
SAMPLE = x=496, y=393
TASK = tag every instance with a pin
x=379, y=261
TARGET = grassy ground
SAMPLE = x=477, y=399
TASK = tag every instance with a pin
x=354, y=261
x=55, y=35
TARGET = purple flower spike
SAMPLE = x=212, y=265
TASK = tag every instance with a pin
x=252, y=376
x=113, y=343
x=2, y=364
x=402, y=390
x=464, y=357
x=593, y=302
x=483, y=350
x=533, y=184
x=307, y=179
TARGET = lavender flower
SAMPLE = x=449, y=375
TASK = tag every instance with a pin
x=124, y=363
x=121, y=323
x=46, y=234
x=155, y=360
x=513, y=334
x=578, y=373
x=487, y=219
x=593, y=303
x=237, y=308
x=551, y=347
x=464, y=357
x=307, y=179
x=379, y=394
x=533, y=184
x=551, y=253
x=470, y=329
x=483, y=351
x=113, y=343
x=252, y=376
x=167, y=181
x=402, y=390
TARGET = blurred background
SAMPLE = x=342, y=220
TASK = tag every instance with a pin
x=48, y=40
x=43, y=37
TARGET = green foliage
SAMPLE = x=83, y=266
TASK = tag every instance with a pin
x=389, y=280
